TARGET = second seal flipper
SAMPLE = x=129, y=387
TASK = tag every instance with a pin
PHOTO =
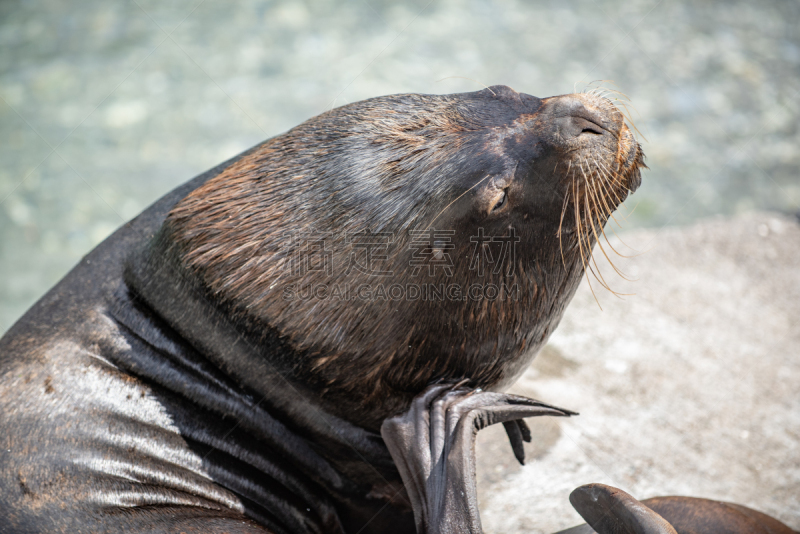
x=609, y=510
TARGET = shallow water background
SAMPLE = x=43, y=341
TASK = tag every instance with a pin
x=105, y=106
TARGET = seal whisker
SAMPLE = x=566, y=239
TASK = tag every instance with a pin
x=618, y=253
x=600, y=197
x=602, y=228
x=560, y=226
x=591, y=211
x=602, y=184
x=607, y=189
x=582, y=254
x=611, y=89
x=629, y=117
x=613, y=179
x=624, y=101
x=599, y=275
x=591, y=199
x=588, y=257
x=600, y=207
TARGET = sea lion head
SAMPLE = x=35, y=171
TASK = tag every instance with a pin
x=404, y=239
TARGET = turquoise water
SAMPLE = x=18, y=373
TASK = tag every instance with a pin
x=106, y=106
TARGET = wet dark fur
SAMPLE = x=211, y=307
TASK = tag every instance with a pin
x=392, y=164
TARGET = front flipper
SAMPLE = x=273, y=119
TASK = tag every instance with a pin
x=433, y=446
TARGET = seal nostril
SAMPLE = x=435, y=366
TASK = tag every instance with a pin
x=582, y=125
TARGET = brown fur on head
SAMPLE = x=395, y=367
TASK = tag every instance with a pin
x=494, y=159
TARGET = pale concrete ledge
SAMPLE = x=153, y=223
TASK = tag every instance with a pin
x=689, y=387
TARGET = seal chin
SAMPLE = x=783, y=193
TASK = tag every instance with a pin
x=631, y=160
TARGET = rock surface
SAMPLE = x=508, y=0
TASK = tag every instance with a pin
x=688, y=387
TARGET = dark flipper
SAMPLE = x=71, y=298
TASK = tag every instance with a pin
x=518, y=432
x=612, y=511
x=433, y=446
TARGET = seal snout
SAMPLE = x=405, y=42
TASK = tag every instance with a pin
x=598, y=127
x=578, y=114
x=598, y=166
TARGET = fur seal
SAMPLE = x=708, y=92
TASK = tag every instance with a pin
x=190, y=374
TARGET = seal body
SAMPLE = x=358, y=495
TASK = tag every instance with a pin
x=180, y=379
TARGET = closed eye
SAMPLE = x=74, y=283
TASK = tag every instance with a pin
x=500, y=203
